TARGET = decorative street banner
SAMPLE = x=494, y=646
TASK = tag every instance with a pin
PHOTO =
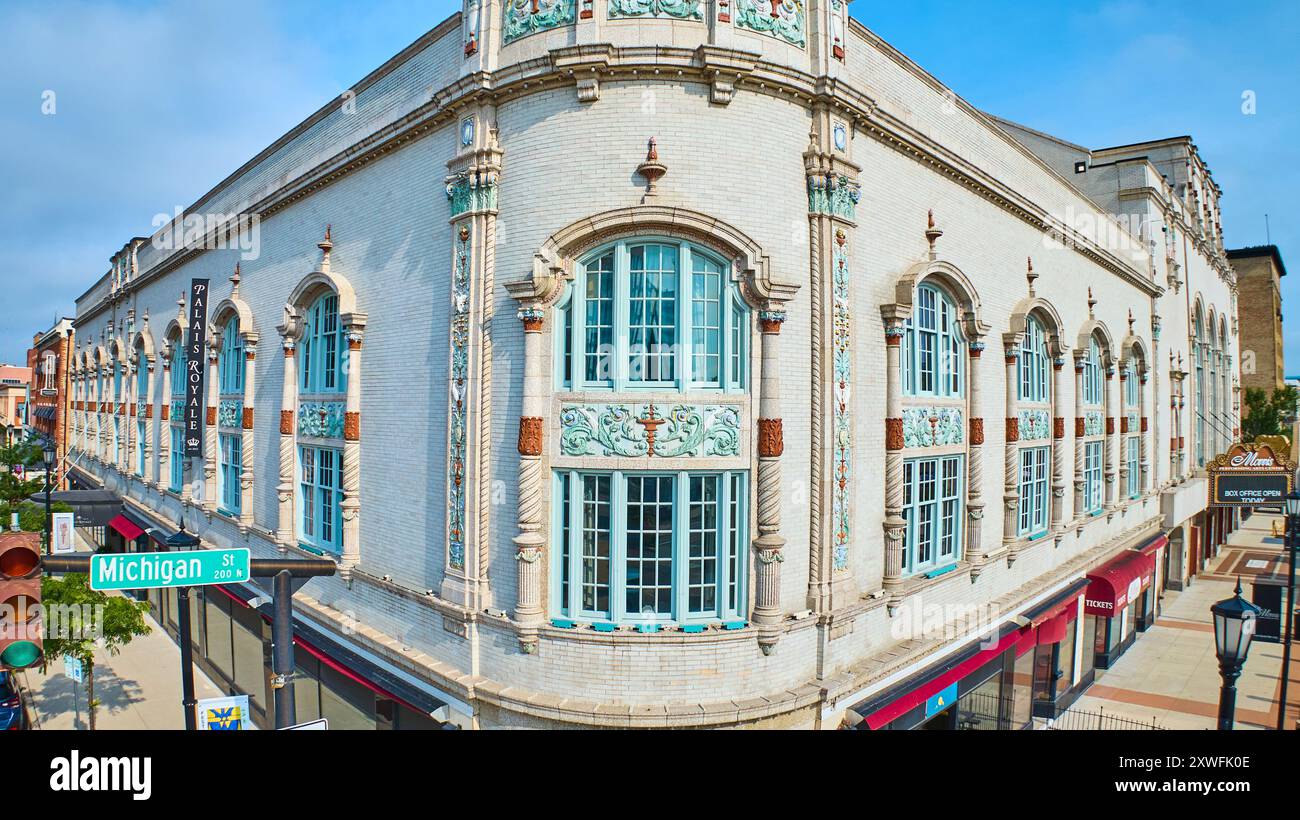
x=196, y=358
x=1250, y=475
x=225, y=714
x=65, y=541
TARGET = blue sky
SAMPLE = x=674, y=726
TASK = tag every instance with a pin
x=158, y=101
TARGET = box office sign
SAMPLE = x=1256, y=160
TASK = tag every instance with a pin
x=1250, y=475
x=196, y=368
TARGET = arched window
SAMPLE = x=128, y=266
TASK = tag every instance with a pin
x=1132, y=420
x=653, y=314
x=933, y=353
x=1200, y=386
x=1034, y=366
x=324, y=347
x=176, y=432
x=178, y=371
x=1093, y=392
x=232, y=359
x=142, y=401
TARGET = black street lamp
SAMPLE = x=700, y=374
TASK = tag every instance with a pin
x=184, y=541
x=1292, y=543
x=50, y=453
x=1234, y=626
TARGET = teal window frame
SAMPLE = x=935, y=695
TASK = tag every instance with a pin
x=1093, y=457
x=597, y=513
x=231, y=470
x=323, y=349
x=604, y=320
x=1033, y=366
x=176, y=463
x=934, y=359
x=139, y=448
x=1200, y=388
x=320, y=497
x=178, y=370
x=933, y=506
x=1132, y=447
x=1093, y=392
x=1035, y=478
x=231, y=366
x=142, y=381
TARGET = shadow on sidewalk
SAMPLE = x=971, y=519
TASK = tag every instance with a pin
x=115, y=695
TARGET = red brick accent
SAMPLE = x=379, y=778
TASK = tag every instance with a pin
x=148, y=411
x=1110, y=425
x=1013, y=431
x=166, y=412
x=976, y=432
x=212, y=416
x=286, y=422
x=248, y=418
x=1123, y=425
x=1058, y=428
x=352, y=427
x=1146, y=424
x=1078, y=428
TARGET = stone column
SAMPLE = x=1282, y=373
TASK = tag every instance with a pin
x=1143, y=428
x=1058, y=445
x=1153, y=367
x=286, y=534
x=209, y=496
x=895, y=525
x=150, y=435
x=1124, y=433
x=529, y=543
x=164, y=426
x=355, y=325
x=1011, y=467
x=247, y=442
x=975, y=452
x=1080, y=424
x=128, y=417
x=768, y=613
x=1110, y=449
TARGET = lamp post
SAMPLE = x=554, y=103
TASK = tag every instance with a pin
x=183, y=541
x=1234, y=627
x=1292, y=508
x=50, y=454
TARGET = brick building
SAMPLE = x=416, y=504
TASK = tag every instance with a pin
x=51, y=403
x=668, y=419
x=14, y=395
x=1259, y=283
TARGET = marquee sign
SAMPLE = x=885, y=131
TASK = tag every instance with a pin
x=1250, y=475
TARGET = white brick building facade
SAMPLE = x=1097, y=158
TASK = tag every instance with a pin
x=509, y=144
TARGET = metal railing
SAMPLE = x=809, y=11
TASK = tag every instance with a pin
x=1074, y=720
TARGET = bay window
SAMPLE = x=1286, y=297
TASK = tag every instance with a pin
x=653, y=314
x=650, y=548
x=932, y=500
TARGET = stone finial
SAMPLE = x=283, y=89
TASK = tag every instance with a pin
x=1030, y=275
x=326, y=245
x=1092, y=304
x=652, y=169
x=932, y=234
x=1130, y=321
x=234, y=281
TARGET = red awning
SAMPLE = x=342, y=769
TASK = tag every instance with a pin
x=1150, y=547
x=126, y=528
x=1054, y=630
x=1116, y=583
x=921, y=694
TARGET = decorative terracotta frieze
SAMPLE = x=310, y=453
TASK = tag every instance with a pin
x=771, y=438
x=894, y=438
x=530, y=435
x=286, y=422
x=1058, y=428
x=976, y=432
x=351, y=426
x=248, y=418
x=1013, y=431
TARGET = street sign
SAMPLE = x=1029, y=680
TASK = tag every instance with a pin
x=157, y=570
x=312, y=725
x=72, y=668
x=225, y=714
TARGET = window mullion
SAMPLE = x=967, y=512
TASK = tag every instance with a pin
x=573, y=509
x=620, y=371
x=617, y=547
x=578, y=337
x=684, y=376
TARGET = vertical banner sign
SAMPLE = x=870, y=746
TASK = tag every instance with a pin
x=196, y=361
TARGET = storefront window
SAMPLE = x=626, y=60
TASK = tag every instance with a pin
x=250, y=661
x=1022, y=682
x=1065, y=660
x=981, y=708
x=219, y=651
x=1088, y=663
x=345, y=703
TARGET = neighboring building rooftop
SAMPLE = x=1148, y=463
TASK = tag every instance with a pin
x=1256, y=251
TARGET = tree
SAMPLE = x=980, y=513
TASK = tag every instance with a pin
x=1265, y=415
x=117, y=620
x=12, y=488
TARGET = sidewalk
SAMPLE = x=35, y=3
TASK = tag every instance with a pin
x=1171, y=673
x=139, y=688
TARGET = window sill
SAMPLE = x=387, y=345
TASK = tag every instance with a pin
x=608, y=628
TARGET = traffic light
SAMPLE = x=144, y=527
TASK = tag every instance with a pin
x=21, y=640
